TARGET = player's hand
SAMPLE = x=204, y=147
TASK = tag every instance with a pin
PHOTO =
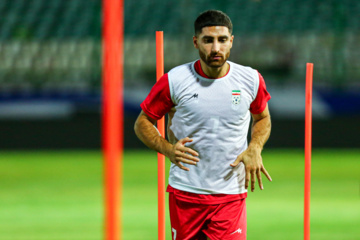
x=181, y=154
x=252, y=160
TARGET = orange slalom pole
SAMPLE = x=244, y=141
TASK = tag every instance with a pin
x=161, y=128
x=113, y=33
x=308, y=137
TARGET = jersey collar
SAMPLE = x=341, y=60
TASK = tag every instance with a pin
x=196, y=66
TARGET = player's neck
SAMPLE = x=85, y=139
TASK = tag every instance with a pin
x=215, y=72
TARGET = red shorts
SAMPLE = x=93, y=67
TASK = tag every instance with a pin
x=194, y=221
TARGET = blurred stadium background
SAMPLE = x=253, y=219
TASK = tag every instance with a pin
x=50, y=85
x=50, y=72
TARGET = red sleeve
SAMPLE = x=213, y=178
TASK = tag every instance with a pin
x=158, y=102
x=262, y=97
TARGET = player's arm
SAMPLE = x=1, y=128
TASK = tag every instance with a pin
x=251, y=157
x=147, y=132
x=260, y=129
x=260, y=132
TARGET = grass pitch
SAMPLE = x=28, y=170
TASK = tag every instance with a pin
x=59, y=195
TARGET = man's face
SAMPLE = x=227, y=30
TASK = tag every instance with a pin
x=214, y=44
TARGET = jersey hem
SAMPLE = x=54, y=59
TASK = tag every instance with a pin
x=207, y=199
x=191, y=189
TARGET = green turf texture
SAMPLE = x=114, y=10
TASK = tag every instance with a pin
x=59, y=195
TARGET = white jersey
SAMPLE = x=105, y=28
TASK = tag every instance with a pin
x=215, y=114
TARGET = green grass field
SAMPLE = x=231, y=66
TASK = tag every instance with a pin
x=59, y=195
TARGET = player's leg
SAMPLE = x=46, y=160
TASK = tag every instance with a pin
x=228, y=222
x=187, y=219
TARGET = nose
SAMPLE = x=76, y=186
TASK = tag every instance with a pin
x=216, y=46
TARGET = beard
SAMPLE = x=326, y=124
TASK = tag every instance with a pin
x=214, y=63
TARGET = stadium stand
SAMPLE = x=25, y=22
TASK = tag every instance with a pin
x=57, y=43
x=50, y=71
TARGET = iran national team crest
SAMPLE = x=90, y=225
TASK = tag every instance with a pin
x=236, y=95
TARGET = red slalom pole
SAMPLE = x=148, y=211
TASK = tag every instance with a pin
x=112, y=124
x=308, y=137
x=161, y=128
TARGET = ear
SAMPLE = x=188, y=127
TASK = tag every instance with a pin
x=195, y=39
x=231, y=40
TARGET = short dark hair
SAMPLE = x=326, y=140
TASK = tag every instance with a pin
x=212, y=18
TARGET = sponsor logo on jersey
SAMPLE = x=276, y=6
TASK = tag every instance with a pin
x=236, y=96
x=194, y=96
x=237, y=231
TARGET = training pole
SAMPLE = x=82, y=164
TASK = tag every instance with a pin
x=112, y=124
x=308, y=136
x=161, y=128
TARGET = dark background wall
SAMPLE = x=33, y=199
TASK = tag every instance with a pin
x=50, y=71
x=84, y=132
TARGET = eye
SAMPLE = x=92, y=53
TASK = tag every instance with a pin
x=208, y=40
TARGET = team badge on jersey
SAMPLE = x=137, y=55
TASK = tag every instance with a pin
x=236, y=96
